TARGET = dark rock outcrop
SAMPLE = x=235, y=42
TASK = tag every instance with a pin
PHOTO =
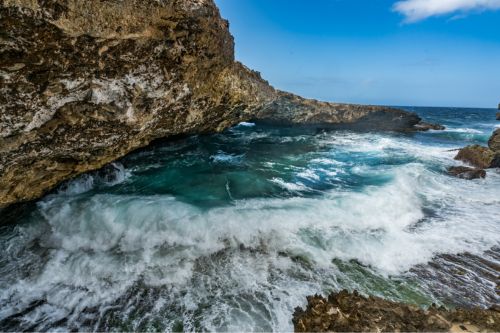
x=479, y=157
x=498, y=113
x=83, y=83
x=351, y=312
x=466, y=172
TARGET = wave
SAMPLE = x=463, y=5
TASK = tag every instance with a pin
x=110, y=175
x=95, y=260
x=463, y=130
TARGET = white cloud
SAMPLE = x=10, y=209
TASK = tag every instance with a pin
x=416, y=10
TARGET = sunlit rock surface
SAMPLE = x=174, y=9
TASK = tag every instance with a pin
x=83, y=83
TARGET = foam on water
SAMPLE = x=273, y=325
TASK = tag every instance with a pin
x=336, y=210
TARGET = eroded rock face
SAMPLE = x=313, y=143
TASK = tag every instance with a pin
x=479, y=157
x=82, y=83
x=346, y=312
x=494, y=141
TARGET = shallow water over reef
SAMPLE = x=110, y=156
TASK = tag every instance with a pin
x=231, y=231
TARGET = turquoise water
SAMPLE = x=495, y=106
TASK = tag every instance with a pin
x=231, y=231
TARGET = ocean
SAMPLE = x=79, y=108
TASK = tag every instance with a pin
x=231, y=231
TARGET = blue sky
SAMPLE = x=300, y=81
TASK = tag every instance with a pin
x=411, y=52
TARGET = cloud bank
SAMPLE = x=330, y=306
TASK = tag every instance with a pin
x=417, y=10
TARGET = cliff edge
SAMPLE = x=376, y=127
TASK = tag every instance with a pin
x=83, y=83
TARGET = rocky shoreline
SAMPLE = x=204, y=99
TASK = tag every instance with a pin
x=352, y=312
x=479, y=158
x=83, y=83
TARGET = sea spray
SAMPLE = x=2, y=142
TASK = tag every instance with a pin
x=231, y=231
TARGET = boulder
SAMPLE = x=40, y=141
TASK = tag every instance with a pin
x=494, y=141
x=498, y=114
x=479, y=157
x=466, y=172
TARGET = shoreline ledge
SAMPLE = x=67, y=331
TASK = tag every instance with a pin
x=84, y=83
x=352, y=312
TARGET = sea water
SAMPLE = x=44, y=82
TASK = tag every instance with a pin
x=231, y=231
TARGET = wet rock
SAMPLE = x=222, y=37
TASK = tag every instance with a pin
x=479, y=157
x=351, y=312
x=466, y=172
x=423, y=126
x=494, y=141
x=83, y=83
x=498, y=113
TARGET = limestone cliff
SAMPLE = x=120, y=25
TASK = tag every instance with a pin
x=82, y=83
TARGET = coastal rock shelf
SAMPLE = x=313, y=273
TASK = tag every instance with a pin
x=351, y=312
x=86, y=82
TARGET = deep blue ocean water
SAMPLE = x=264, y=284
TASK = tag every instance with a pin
x=231, y=231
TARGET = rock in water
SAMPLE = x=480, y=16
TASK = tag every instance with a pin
x=498, y=113
x=466, y=172
x=83, y=83
x=494, y=141
x=346, y=312
x=479, y=157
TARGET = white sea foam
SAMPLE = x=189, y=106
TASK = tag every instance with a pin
x=222, y=157
x=298, y=186
x=99, y=247
x=112, y=174
x=463, y=130
x=246, y=124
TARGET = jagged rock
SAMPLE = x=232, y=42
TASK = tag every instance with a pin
x=423, y=126
x=466, y=172
x=83, y=83
x=351, y=312
x=479, y=157
x=494, y=141
x=498, y=113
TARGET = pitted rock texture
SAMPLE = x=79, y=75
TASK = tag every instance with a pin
x=351, y=312
x=83, y=83
x=494, y=141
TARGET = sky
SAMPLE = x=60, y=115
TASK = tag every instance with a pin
x=386, y=52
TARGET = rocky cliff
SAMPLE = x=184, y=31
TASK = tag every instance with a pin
x=82, y=83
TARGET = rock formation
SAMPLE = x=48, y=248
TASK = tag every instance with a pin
x=466, y=172
x=482, y=157
x=83, y=83
x=494, y=141
x=351, y=312
x=477, y=156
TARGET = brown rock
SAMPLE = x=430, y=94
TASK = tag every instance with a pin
x=479, y=157
x=498, y=113
x=83, y=83
x=356, y=313
x=494, y=141
x=466, y=172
